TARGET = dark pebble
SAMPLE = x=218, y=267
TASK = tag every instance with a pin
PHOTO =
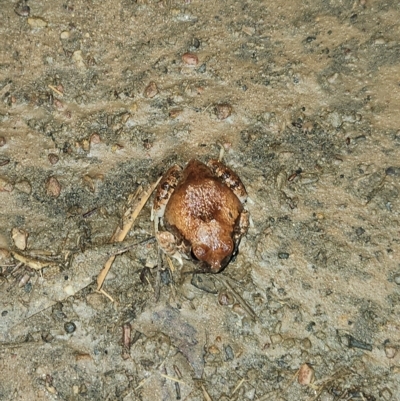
x=354, y=343
x=360, y=138
x=22, y=9
x=205, y=283
x=229, y=355
x=397, y=279
x=69, y=327
x=28, y=287
x=195, y=43
x=202, y=69
x=283, y=255
x=360, y=231
x=47, y=337
x=165, y=277
x=310, y=326
x=53, y=158
x=393, y=171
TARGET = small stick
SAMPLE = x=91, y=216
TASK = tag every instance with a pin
x=120, y=234
x=107, y=295
x=238, y=386
x=125, y=249
x=33, y=263
x=205, y=394
x=126, y=340
x=178, y=391
x=53, y=88
x=245, y=305
x=172, y=378
x=170, y=264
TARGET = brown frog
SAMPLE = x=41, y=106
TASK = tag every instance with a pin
x=201, y=209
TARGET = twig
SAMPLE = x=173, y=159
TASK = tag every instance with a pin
x=172, y=378
x=238, y=297
x=33, y=263
x=120, y=233
x=205, y=394
x=53, y=88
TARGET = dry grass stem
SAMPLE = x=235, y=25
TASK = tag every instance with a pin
x=33, y=263
x=120, y=233
x=172, y=378
x=205, y=394
x=54, y=89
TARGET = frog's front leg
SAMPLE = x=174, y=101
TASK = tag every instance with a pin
x=168, y=245
x=164, y=191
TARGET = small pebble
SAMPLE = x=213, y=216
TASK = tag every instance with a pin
x=195, y=43
x=69, y=327
x=229, y=354
x=2, y=141
x=276, y=339
x=212, y=349
x=58, y=104
x=20, y=238
x=394, y=171
x=96, y=301
x=22, y=9
x=225, y=298
x=190, y=59
x=37, y=22
x=89, y=183
x=390, y=351
x=335, y=119
x=380, y=41
x=331, y=79
x=4, y=255
x=223, y=111
x=397, y=279
x=283, y=255
x=65, y=35
x=288, y=343
x=53, y=187
x=5, y=185
x=238, y=309
x=204, y=282
x=53, y=158
x=306, y=343
x=151, y=90
x=95, y=138
x=24, y=186
x=85, y=145
x=78, y=59
x=249, y=30
x=174, y=113
x=306, y=375
x=203, y=68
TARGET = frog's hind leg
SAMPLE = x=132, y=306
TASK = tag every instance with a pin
x=168, y=245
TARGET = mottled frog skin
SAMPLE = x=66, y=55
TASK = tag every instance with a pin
x=201, y=208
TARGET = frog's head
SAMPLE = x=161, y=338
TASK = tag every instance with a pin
x=214, y=257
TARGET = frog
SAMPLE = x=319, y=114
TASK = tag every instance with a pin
x=200, y=214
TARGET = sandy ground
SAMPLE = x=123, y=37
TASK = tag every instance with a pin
x=97, y=100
